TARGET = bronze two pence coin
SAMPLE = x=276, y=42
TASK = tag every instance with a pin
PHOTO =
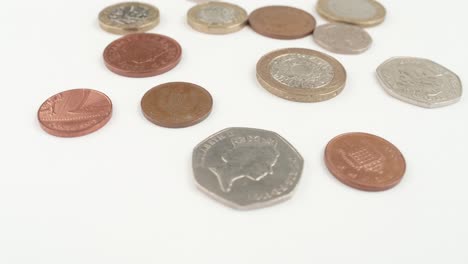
x=282, y=22
x=365, y=161
x=176, y=104
x=75, y=112
x=142, y=55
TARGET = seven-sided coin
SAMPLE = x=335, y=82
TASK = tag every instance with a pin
x=421, y=82
x=247, y=168
x=358, y=12
x=129, y=17
x=342, y=38
x=217, y=17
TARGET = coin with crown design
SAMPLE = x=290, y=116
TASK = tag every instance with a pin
x=247, y=168
x=129, y=17
x=217, y=17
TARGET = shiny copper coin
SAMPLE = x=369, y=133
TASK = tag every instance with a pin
x=365, y=161
x=176, y=104
x=142, y=55
x=282, y=22
x=75, y=113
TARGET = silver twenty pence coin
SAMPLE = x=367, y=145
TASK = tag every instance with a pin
x=420, y=82
x=342, y=38
x=247, y=168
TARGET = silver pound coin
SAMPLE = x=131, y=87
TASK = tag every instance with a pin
x=247, y=168
x=342, y=38
x=419, y=81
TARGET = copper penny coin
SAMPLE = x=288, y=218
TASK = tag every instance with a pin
x=282, y=22
x=142, y=55
x=365, y=161
x=176, y=104
x=75, y=113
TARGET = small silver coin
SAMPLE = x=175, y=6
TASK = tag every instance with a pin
x=421, y=82
x=247, y=168
x=342, y=38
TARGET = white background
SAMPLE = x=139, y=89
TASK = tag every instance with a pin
x=125, y=194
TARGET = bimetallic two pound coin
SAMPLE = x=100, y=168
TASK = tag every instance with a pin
x=364, y=161
x=358, y=12
x=420, y=82
x=75, y=113
x=282, y=22
x=217, y=17
x=342, y=38
x=301, y=75
x=176, y=104
x=129, y=17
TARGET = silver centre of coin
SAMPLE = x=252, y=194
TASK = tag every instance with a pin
x=129, y=14
x=342, y=38
x=247, y=168
x=354, y=9
x=217, y=15
x=420, y=81
x=301, y=71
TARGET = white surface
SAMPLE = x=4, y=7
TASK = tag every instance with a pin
x=125, y=194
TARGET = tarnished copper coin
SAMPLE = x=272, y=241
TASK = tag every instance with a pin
x=142, y=55
x=176, y=104
x=365, y=161
x=282, y=22
x=75, y=113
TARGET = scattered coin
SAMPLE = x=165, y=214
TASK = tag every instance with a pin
x=301, y=75
x=142, y=55
x=420, y=82
x=282, y=22
x=358, y=12
x=247, y=168
x=217, y=17
x=342, y=38
x=176, y=104
x=364, y=161
x=75, y=113
x=129, y=17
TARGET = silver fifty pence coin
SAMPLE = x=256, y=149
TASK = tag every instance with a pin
x=247, y=168
x=342, y=38
x=419, y=81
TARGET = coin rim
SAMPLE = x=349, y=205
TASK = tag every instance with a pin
x=324, y=93
x=104, y=24
x=411, y=101
x=281, y=36
x=178, y=125
x=255, y=205
x=363, y=187
x=142, y=74
x=337, y=50
x=200, y=26
x=77, y=133
x=378, y=18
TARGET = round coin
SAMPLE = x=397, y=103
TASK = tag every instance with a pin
x=217, y=17
x=142, y=55
x=75, y=113
x=342, y=38
x=420, y=82
x=358, y=12
x=301, y=75
x=247, y=168
x=282, y=22
x=129, y=17
x=365, y=162
x=176, y=104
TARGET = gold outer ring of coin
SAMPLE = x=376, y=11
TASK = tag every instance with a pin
x=204, y=27
x=107, y=25
x=329, y=91
x=378, y=18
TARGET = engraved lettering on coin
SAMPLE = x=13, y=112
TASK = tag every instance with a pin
x=217, y=17
x=420, y=81
x=247, y=168
x=342, y=38
x=365, y=161
x=359, y=12
x=129, y=17
x=301, y=71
